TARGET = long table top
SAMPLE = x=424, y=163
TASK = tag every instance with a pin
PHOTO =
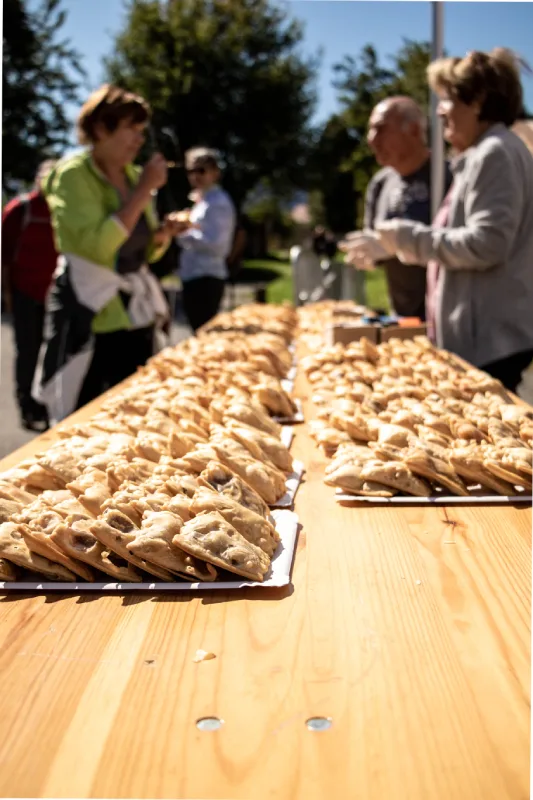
x=407, y=627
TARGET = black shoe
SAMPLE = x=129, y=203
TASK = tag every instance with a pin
x=34, y=423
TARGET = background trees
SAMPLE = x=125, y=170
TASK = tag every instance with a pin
x=342, y=163
x=40, y=74
x=223, y=73
x=229, y=74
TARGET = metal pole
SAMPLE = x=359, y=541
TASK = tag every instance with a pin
x=437, y=142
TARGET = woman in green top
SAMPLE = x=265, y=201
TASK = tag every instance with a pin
x=104, y=302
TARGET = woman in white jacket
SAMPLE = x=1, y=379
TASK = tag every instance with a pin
x=482, y=256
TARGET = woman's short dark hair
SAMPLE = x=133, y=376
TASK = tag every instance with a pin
x=110, y=105
x=492, y=78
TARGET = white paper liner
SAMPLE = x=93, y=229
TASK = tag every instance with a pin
x=291, y=374
x=438, y=499
x=287, y=385
x=287, y=435
x=292, y=483
x=298, y=417
x=279, y=575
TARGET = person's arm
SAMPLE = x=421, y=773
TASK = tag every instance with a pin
x=215, y=230
x=12, y=218
x=81, y=222
x=153, y=177
x=492, y=215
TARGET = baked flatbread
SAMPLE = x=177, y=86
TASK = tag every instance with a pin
x=39, y=478
x=435, y=470
x=469, y=464
x=7, y=571
x=154, y=543
x=9, y=491
x=150, y=446
x=253, y=527
x=14, y=548
x=262, y=446
x=395, y=435
x=91, y=489
x=397, y=475
x=182, y=484
x=75, y=538
x=8, y=508
x=37, y=532
x=198, y=459
x=114, y=531
x=268, y=482
x=222, y=479
x=135, y=471
x=507, y=472
x=211, y=538
x=276, y=401
x=251, y=415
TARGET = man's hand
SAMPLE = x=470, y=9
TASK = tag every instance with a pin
x=389, y=233
x=363, y=249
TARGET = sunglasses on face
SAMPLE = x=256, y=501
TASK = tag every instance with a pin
x=198, y=170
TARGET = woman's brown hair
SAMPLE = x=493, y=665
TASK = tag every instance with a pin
x=109, y=105
x=493, y=79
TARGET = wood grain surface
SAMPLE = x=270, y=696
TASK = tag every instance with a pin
x=409, y=627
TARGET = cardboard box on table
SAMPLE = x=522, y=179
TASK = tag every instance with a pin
x=346, y=333
x=401, y=332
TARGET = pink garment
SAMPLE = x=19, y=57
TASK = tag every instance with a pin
x=433, y=269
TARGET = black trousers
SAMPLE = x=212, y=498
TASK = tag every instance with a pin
x=509, y=370
x=116, y=356
x=28, y=320
x=201, y=300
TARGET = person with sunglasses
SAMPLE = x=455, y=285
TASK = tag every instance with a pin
x=206, y=244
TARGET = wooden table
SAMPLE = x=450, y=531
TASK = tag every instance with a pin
x=408, y=627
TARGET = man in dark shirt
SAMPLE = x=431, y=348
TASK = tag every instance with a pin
x=28, y=263
x=397, y=135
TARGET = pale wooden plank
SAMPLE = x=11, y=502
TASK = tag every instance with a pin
x=427, y=683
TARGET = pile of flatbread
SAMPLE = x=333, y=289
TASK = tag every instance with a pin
x=404, y=418
x=315, y=319
x=171, y=479
x=256, y=318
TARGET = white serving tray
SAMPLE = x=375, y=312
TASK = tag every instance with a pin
x=291, y=374
x=279, y=575
x=292, y=483
x=287, y=435
x=437, y=499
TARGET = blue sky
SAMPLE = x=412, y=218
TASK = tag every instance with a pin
x=342, y=27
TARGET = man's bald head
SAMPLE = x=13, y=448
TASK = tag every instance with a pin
x=397, y=133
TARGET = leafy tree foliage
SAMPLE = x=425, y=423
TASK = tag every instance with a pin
x=226, y=74
x=40, y=74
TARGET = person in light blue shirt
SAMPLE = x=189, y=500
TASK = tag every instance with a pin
x=206, y=244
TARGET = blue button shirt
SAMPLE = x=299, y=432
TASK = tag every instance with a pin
x=204, y=250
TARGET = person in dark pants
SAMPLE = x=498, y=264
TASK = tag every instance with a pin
x=28, y=263
x=207, y=243
x=104, y=305
x=509, y=370
x=483, y=295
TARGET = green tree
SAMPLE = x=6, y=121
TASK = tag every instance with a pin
x=227, y=74
x=342, y=162
x=409, y=65
x=39, y=78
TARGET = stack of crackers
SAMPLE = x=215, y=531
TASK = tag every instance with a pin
x=172, y=479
